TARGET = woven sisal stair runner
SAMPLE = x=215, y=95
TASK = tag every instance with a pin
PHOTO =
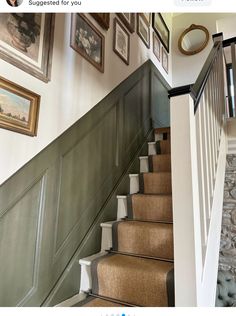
x=148, y=239
x=139, y=269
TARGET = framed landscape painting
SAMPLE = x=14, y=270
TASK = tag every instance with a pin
x=121, y=41
x=19, y=108
x=26, y=41
x=87, y=40
x=128, y=19
x=161, y=30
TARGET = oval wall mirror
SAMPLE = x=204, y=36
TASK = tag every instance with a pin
x=193, y=40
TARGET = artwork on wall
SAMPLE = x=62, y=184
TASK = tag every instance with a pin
x=147, y=17
x=156, y=46
x=143, y=30
x=19, y=108
x=103, y=19
x=121, y=41
x=161, y=30
x=165, y=62
x=128, y=19
x=26, y=41
x=87, y=40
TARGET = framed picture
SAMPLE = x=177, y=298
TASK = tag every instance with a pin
x=26, y=41
x=156, y=46
x=143, y=30
x=121, y=41
x=87, y=40
x=161, y=30
x=103, y=19
x=147, y=17
x=19, y=108
x=165, y=62
x=128, y=19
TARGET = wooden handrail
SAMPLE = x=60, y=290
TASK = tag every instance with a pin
x=196, y=89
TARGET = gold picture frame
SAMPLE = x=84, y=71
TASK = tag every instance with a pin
x=19, y=108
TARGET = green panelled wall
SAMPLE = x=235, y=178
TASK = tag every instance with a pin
x=51, y=209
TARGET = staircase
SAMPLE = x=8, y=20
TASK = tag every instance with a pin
x=135, y=265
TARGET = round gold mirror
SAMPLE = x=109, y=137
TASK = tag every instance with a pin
x=193, y=40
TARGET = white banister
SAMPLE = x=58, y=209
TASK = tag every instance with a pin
x=198, y=159
x=187, y=253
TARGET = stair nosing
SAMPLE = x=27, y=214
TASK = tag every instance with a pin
x=146, y=221
x=105, y=298
x=139, y=256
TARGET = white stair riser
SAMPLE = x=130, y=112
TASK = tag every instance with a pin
x=86, y=278
x=134, y=183
x=144, y=165
x=121, y=206
x=106, y=238
x=159, y=137
x=152, y=148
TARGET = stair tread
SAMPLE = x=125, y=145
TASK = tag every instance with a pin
x=155, y=183
x=161, y=130
x=163, y=147
x=159, y=163
x=150, y=207
x=135, y=280
x=145, y=238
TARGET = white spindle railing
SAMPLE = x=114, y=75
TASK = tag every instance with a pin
x=198, y=164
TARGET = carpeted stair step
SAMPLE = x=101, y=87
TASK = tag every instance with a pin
x=159, y=163
x=150, y=207
x=163, y=147
x=162, y=133
x=143, y=238
x=134, y=280
x=91, y=301
x=162, y=130
x=155, y=183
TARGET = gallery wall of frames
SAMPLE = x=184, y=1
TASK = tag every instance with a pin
x=89, y=40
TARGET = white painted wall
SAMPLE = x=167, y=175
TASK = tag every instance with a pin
x=227, y=26
x=75, y=87
x=185, y=69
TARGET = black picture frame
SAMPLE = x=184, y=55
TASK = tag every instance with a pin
x=103, y=19
x=161, y=30
x=128, y=19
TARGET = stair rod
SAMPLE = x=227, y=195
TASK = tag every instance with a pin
x=145, y=221
x=110, y=299
x=138, y=256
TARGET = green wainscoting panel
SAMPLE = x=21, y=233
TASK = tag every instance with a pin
x=51, y=209
x=160, y=101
